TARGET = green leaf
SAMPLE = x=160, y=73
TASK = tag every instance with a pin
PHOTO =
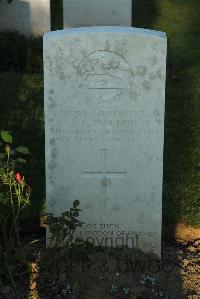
x=6, y=136
x=75, y=213
x=2, y=156
x=76, y=203
x=20, y=160
x=66, y=214
x=22, y=150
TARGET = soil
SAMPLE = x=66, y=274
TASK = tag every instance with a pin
x=98, y=273
x=186, y=233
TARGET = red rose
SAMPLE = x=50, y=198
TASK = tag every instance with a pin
x=18, y=177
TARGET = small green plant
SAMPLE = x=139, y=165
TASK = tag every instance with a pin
x=62, y=228
x=120, y=291
x=152, y=288
x=14, y=191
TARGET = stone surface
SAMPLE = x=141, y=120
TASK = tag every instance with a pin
x=104, y=124
x=27, y=16
x=78, y=13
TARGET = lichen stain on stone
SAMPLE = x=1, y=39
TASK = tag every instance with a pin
x=54, y=153
x=156, y=115
x=53, y=104
x=52, y=164
x=134, y=95
x=51, y=91
x=62, y=76
x=146, y=85
x=88, y=206
x=48, y=62
x=52, y=141
x=116, y=208
x=150, y=157
x=136, y=199
x=141, y=70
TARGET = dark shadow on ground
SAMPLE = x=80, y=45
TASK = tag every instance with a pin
x=98, y=273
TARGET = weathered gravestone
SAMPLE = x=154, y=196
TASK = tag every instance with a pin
x=104, y=123
x=29, y=17
x=78, y=13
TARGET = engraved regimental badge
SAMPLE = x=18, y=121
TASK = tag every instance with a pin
x=103, y=76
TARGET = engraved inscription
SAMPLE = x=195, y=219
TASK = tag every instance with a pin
x=103, y=76
x=113, y=235
x=92, y=126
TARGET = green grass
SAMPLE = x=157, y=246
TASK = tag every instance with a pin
x=179, y=19
x=21, y=102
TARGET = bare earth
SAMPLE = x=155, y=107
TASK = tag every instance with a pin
x=111, y=273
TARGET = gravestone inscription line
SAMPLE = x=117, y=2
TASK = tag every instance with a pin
x=105, y=175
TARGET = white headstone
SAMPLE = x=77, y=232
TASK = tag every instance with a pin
x=104, y=124
x=29, y=17
x=78, y=13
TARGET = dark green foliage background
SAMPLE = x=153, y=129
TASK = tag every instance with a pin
x=21, y=101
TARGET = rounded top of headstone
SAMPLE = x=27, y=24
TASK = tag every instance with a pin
x=105, y=29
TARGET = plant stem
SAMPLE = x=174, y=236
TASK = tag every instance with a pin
x=9, y=272
x=14, y=225
x=4, y=230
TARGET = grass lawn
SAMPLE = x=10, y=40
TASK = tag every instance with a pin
x=180, y=20
x=21, y=104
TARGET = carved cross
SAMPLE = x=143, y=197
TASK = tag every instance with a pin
x=105, y=175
